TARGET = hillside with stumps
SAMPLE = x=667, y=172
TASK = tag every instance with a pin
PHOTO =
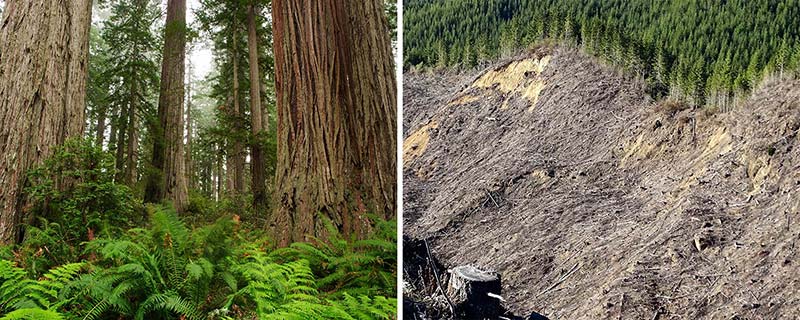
x=592, y=199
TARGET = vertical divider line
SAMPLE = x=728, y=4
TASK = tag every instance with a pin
x=399, y=69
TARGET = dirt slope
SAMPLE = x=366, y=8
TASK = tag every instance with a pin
x=593, y=202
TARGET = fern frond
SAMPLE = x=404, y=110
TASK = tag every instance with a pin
x=199, y=269
x=124, y=250
x=32, y=314
x=300, y=310
x=376, y=243
x=58, y=279
x=60, y=276
x=168, y=302
x=365, y=308
x=230, y=281
x=11, y=285
x=97, y=310
x=168, y=230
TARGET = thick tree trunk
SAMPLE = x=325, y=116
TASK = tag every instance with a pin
x=44, y=50
x=336, y=116
x=257, y=169
x=169, y=183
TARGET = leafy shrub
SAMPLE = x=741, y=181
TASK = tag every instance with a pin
x=199, y=206
x=74, y=198
x=44, y=247
x=23, y=298
x=75, y=189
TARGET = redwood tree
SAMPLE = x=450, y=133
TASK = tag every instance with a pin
x=168, y=179
x=257, y=168
x=336, y=116
x=44, y=49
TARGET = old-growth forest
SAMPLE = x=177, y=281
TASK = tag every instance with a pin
x=705, y=52
x=135, y=186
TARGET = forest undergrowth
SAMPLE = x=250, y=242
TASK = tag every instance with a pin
x=96, y=252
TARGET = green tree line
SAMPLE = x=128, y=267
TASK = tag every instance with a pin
x=694, y=49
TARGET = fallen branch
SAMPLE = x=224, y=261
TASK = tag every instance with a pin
x=436, y=277
x=562, y=279
x=490, y=197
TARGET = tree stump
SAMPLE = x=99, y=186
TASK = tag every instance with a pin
x=470, y=290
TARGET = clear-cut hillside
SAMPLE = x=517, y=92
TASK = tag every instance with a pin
x=594, y=202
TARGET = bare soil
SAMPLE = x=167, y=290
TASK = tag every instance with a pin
x=594, y=202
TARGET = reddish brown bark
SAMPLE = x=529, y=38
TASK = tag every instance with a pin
x=169, y=181
x=257, y=169
x=44, y=48
x=336, y=116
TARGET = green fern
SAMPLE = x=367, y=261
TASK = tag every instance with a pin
x=11, y=283
x=362, y=267
x=24, y=298
x=167, y=271
x=152, y=273
x=32, y=314
x=169, y=301
x=289, y=291
x=365, y=308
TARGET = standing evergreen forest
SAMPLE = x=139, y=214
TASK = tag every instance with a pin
x=703, y=52
x=132, y=188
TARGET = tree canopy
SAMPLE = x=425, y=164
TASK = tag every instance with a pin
x=699, y=47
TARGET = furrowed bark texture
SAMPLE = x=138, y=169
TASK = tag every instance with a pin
x=336, y=116
x=170, y=180
x=257, y=168
x=44, y=49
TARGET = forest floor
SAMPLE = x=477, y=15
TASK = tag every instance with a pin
x=594, y=202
